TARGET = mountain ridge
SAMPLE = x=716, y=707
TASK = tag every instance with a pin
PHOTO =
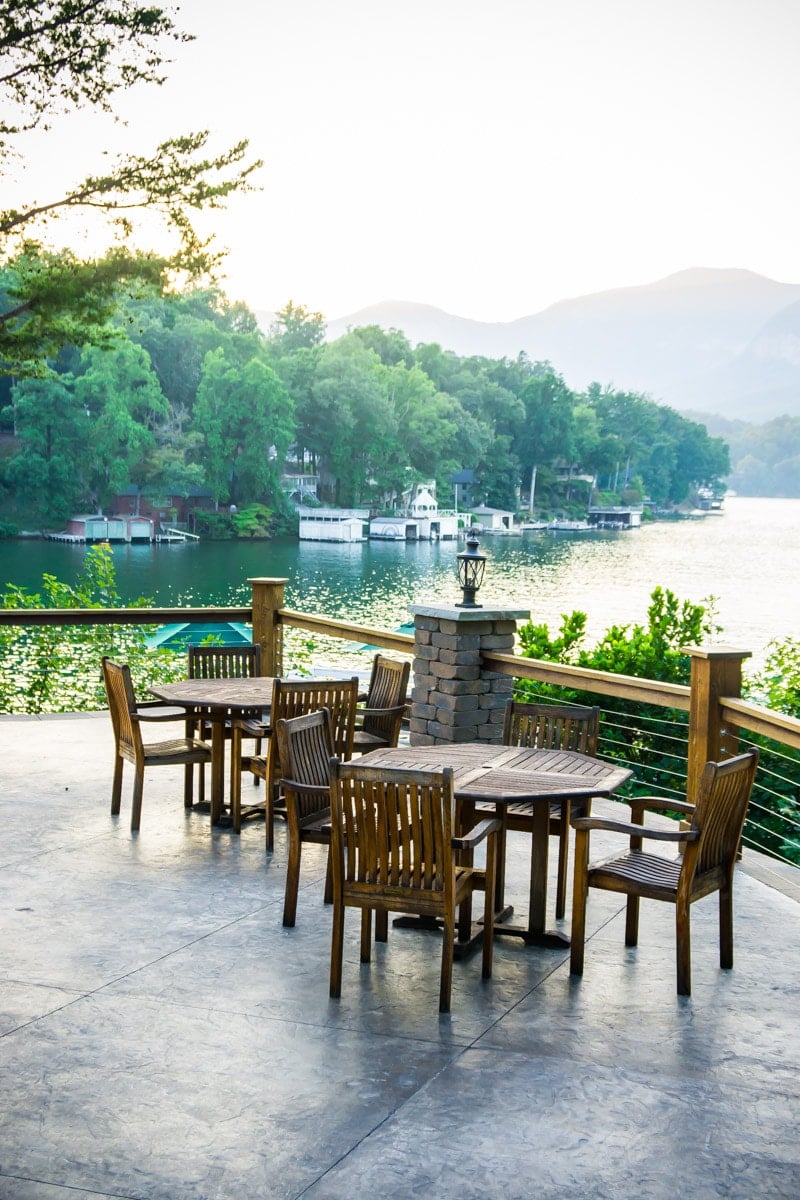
x=702, y=338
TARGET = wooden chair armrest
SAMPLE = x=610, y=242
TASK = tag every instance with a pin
x=250, y=727
x=659, y=804
x=155, y=710
x=641, y=831
x=381, y=712
x=306, y=789
x=477, y=834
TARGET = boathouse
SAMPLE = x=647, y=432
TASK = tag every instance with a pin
x=332, y=524
x=394, y=529
x=492, y=520
x=97, y=528
x=610, y=516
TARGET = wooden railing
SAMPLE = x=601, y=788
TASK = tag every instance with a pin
x=713, y=700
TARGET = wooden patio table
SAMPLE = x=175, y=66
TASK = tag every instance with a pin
x=502, y=775
x=218, y=701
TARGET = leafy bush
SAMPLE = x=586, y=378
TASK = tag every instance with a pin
x=652, y=740
x=648, y=738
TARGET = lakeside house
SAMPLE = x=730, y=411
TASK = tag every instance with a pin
x=419, y=518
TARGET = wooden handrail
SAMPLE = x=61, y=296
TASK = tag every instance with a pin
x=387, y=639
x=757, y=719
x=119, y=616
x=605, y=683
x=735, y=711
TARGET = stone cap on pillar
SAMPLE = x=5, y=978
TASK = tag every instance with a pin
x=469, y=614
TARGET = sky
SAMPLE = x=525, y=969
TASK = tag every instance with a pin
x=486, y=158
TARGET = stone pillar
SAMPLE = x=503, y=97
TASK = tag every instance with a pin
x=454, y=698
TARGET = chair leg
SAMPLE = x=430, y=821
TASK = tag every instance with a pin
x=382, y=925
x=563, y=856
x=488, y=907
x=136, y=808
x=632, y=921
x=683, y=949
x=328, y=897
x=726, y=927
x=201, y=783
x=269, y=816
x=580, y=890
x=337, y=949
x=236, y=780
x=366, y=934
x=187, y=783
x=500, y=873
x=446, y=982
x=116, y=787
x=292, y=879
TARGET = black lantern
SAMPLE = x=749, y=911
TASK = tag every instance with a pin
x=471, y=565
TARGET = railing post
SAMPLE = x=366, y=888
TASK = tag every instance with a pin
x=716, y=674
x=267, y=630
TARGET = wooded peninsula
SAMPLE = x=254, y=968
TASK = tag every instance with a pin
x=185, y=394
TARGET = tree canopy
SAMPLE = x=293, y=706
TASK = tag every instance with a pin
x=57, y=56
x=183, y=390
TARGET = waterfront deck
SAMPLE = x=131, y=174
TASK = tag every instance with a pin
x=163, y=1037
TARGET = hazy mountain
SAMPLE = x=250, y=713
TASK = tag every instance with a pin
x=722, y=341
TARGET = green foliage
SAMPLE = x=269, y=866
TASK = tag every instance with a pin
x=651, y=651
x=254, y=521
x=296, y=328
x=57, y=56
x=777, y=684
x=370, y=416
x=773, y=821
x=243, y=411
x=649, y=739
x=652, y=740
x=765, y=458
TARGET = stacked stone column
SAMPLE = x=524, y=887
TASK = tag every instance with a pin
x=454, y=698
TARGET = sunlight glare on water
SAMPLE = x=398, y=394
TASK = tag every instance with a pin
x=748, y=558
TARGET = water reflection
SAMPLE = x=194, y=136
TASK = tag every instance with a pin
x=749, y=559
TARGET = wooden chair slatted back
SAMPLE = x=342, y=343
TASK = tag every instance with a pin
x=720, y=812
x=391, y=832
x=297, y=698
x=224, y=662
x=121, y=703
x=387, y=689
x=305, y=748
x=552, y=727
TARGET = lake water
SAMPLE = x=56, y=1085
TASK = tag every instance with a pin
x=748, y=558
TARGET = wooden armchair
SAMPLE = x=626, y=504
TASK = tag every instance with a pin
x=290, y=698
x=305, y=749
x=126, y=719
x=549, y=727
x=710, y=846
x=393, y=850
x=378, y=722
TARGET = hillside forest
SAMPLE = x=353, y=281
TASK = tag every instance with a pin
x=188, y=396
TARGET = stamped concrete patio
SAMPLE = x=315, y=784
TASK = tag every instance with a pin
x=164, y=1038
